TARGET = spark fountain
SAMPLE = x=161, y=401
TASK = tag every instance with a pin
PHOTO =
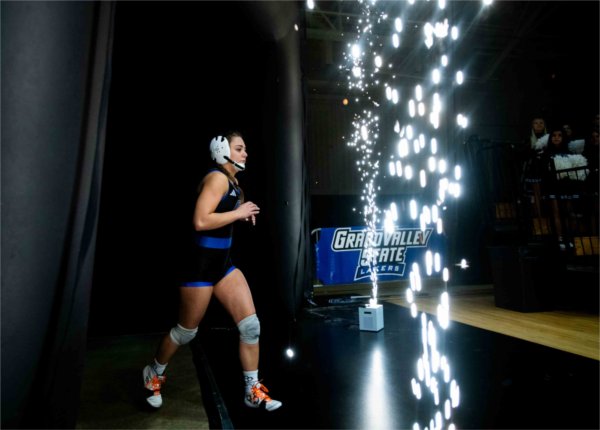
x=422, y=126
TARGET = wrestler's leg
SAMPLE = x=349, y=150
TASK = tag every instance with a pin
x=193, y=304
x=234, y=294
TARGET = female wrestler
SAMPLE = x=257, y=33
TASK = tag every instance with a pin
x=219, y=205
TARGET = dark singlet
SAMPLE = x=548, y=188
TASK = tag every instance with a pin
x=211, y=260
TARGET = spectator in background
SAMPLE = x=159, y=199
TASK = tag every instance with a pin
x=557, y=147
x=534, y=166
x=567, y=132
x=557, y=143
x=534, y=147
x=537, y=137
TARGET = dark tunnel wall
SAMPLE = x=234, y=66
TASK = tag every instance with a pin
x=55, y=69
x=186, y=72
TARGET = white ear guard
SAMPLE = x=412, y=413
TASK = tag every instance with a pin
x=220, y=152
x=219, y=149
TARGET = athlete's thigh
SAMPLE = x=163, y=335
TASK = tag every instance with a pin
x=234, y=294
x=193, y=304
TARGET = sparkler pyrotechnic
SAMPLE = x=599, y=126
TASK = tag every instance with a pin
x=424, y=119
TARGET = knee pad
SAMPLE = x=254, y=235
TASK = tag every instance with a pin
x=249, y=329
x=181, y=335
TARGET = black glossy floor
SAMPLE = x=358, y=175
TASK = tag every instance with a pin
x=342, y=377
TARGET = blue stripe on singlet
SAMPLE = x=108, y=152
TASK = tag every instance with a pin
x=231, y=269
x=214, y=242
x=197, y=284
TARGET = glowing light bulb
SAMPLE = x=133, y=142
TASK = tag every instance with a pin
x=454, y=33
x=434, y=213
x=434, y=145
x=389, y=224
x=364, y=133
x=457, y=172
x=419, y=93
x=431, y=164
x=420, y=369
x=403, y=148
x=460, y=77
x=413, y=310
x=310, y=4
x=442, y=166
x=289, y=352
x=427, y=214
x=399, y=168
x=428, y=262
x=398, y=25
x=413, y=209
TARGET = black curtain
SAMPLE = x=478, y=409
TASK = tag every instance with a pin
x=55, y=80
x=288, y=174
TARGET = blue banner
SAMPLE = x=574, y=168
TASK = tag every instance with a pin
x=342, y=255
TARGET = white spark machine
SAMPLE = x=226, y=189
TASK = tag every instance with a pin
x=370, y=317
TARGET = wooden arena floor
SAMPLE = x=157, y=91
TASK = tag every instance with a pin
x=570, y=331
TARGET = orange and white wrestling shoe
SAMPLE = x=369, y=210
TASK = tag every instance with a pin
x=153, y=381
x=257, y=395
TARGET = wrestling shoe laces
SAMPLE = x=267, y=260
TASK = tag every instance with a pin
x=153, y=382
x=258, y=395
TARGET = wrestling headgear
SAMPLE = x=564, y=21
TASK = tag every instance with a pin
x=220, y=152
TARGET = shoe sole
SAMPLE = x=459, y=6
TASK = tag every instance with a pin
x=274, y=408
x=263, y=405
x=155, y=405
